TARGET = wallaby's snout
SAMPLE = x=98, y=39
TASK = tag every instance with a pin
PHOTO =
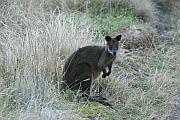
x=114, y=49
x=112, y=44
x=114, y=53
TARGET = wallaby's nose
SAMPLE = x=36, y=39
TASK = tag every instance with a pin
x=114, y=53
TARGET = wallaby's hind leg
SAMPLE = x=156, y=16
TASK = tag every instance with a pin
x=83, y=78
x=85, y=87
x=82, y=81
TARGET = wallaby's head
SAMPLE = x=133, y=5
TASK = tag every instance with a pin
x=112, y=44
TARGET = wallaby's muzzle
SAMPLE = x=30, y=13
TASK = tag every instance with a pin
x=114, y=53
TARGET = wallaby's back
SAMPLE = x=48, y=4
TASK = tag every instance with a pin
x=88, y=56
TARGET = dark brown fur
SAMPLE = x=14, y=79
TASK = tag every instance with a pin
x=86, y=64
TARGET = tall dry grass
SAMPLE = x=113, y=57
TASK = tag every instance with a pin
x=33, y=46
x=34, y=42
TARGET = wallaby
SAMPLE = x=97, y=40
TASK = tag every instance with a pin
x=87, y=63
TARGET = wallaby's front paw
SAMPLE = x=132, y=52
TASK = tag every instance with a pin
x=104, y=75
x=107, y=74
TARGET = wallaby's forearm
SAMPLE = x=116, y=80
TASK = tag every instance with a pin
x=109, y=69
x=105, y=73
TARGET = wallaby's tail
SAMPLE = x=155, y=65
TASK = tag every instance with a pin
x=101, y=100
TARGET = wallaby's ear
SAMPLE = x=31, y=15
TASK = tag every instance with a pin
x=108, y=38
x=118, y=38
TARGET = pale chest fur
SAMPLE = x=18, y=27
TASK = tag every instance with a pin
x=96, y=73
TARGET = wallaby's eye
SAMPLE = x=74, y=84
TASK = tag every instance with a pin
x=113, y=46
x=110, y=47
